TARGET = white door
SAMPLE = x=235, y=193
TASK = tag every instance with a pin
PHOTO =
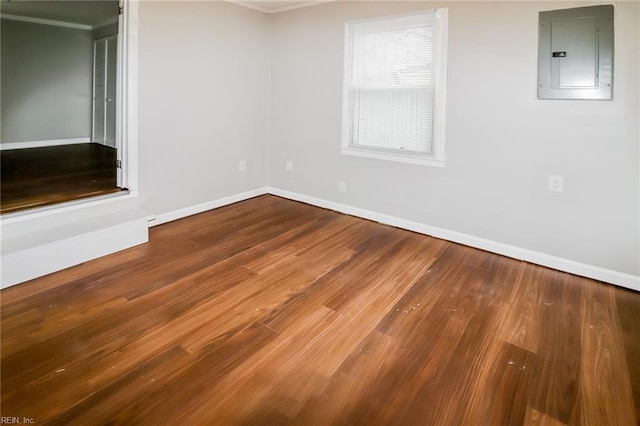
x=99, y=90
x=105, y=69
x=110, y=103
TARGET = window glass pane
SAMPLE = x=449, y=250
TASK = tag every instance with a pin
x=394, y=58
x=391, y=87
x=393, y=119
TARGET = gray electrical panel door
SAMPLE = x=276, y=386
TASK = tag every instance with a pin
x=575, y=53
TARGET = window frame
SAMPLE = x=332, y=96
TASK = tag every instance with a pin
x=435, y=159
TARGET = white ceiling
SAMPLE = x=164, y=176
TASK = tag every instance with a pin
x=275, y=6
x=86, y=12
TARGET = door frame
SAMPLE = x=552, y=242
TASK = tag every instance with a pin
x=127, y=96
x=125, y=81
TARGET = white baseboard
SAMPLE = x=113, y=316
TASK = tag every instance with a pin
x=39, y=144
x=210, y=205
x=28, y=263
x=23, y=260
x=601, y=274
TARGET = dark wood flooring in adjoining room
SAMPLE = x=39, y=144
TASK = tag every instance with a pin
x=274, y=312
x=36, y=177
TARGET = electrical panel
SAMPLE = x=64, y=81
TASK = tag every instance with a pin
x=575, y=53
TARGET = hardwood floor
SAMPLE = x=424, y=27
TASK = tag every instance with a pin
x=37, y=177
x=274, y=312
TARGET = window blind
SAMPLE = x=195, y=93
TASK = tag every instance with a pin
x=391, y=83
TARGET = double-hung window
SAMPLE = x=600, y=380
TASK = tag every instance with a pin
x=394, y=88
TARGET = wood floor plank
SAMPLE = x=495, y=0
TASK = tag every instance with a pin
x=357, y=375
x=163, y=401
x=440, y=325
x=274, y=368
x=522, y=323
x=47, y=175
x=535, y=418
x=273, y=312
x=337, y=281
x=605, y=385
x=555, y=392
x=628, y=304
x=507, y=372
x=455, y=385
x=147, y=377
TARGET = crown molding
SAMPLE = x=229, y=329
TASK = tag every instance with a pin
x=254, y=6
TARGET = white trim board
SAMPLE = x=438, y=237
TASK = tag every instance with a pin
x=45, y=21
x=200, y=208
x=543, y=259
x=66, y=207
x=39, y=144
x=30, y=256
x=255, y=5
x=128, y=94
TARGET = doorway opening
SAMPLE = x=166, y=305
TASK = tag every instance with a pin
x=64, y=106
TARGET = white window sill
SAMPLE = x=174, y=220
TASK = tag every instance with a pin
x=421, y=160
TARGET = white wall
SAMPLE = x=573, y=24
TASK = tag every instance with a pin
x=502, y=142
x=47, y=73
x=203, y=102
